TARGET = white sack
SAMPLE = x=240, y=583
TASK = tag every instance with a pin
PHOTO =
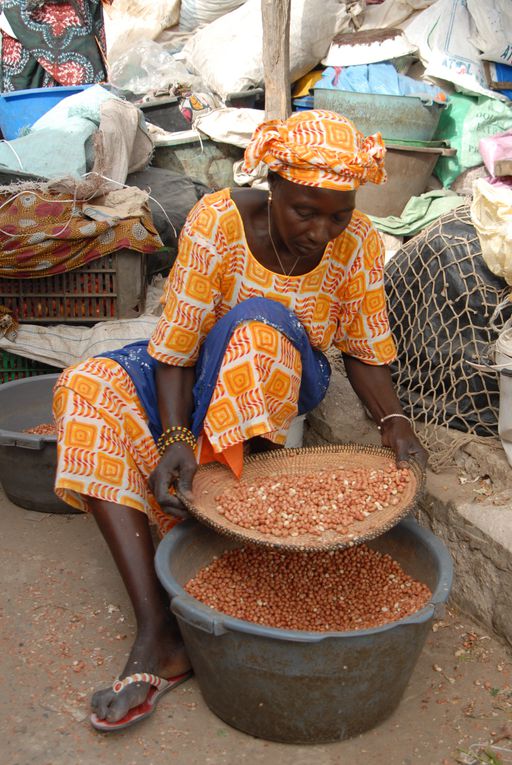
x=493, y=29
x=391, y=13
x=228, y=52
x=196, y=13
x=128, y=22
x=230, y=125
x=64, y=345
x=443, y=35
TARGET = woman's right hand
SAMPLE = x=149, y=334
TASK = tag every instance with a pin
x=177, y=467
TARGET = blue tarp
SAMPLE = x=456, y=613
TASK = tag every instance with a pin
x=378, y=79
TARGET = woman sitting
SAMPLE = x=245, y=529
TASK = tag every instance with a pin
x=264, y=284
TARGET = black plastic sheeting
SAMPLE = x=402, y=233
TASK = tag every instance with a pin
x=441, y=296
x=176, y=194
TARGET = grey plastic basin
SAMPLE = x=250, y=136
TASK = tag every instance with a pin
x=407, y=118
x=301, y=687
x=27, y=461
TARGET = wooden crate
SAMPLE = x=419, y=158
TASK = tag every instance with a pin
x=111, y=287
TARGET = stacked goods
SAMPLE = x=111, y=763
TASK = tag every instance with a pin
x=313, y=503
x=14, y=367
x=106, y=289
x=351, y=589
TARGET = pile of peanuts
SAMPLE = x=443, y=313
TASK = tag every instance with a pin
x=293, y=505
x=45, y=429
x=351, y=589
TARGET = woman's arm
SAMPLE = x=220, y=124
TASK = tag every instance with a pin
x=174, y=391
x=190, y=299
x=374, y=387
x=174, y=387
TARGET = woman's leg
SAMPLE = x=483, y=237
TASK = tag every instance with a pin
x=105, y=455
x=157, y=648
x=257, y=389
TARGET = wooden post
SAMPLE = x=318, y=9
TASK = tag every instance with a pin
x=275, y=16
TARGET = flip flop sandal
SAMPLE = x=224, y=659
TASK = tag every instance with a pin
x=159, y=687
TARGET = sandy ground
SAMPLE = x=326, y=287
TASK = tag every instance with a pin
x=66, y=629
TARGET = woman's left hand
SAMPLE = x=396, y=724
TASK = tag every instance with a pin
x=398, y=434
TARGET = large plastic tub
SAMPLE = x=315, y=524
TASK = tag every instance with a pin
x=301, y=687
x=27, y=461
x=409, y=168
x=405, y=118
x=21, y=108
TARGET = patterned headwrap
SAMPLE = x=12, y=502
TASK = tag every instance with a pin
x=317, y=148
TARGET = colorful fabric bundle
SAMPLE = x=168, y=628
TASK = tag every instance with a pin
x=43, y=235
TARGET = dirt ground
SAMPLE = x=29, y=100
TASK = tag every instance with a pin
x=66, y=629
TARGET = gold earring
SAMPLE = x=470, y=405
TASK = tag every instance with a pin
x=269, y=196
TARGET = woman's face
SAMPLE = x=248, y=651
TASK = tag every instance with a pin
x=307, y=218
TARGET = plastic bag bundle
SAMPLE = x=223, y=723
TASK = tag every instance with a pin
x=441, y=295
x=491, y=213
x=380, y=78
x=149, y=67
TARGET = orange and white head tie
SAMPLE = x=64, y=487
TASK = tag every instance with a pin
x=317, y=148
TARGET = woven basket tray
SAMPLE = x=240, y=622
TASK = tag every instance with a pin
x=212, y=480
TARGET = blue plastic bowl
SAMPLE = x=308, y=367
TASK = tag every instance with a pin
x=303, y=104
x=21, y=108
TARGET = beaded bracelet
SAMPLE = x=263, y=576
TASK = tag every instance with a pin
x=175, y=439
x=389, y=416
x=172, y=429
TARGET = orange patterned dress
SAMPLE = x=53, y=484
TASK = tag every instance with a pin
x=105, y=447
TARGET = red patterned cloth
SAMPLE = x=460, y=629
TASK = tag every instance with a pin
x=43, y=234
x=54, y=44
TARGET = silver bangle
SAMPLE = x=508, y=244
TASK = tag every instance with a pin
x=389, y=416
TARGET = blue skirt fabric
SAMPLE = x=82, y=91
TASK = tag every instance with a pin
x=141, y=367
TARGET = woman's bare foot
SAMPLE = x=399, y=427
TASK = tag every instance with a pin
x=158, y=651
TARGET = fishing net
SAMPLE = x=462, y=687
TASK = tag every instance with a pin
x=441, y=296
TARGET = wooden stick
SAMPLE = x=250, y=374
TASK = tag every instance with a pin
x=276, y=57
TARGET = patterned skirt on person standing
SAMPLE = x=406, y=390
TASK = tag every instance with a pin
x=51, y=43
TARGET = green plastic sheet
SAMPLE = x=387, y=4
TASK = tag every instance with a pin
x=463, y=123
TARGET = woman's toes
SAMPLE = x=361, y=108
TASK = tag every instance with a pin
x=100, y=702
x=112, y=706
x=118, y=707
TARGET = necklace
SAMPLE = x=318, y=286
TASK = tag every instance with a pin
x=292, y=269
